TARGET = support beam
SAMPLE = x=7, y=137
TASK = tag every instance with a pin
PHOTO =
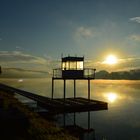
x=74, y=88
x=52, y=87
x=89, y=89
x=64, y=89
x=88, y=120
x=94, y=73
x=64, y=119
x=74, y=119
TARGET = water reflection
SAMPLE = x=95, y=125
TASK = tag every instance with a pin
x=70, y=123
x=123, y=97
x=111, y=96
x=20, y=80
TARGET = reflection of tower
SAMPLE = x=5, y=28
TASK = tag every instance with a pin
x=78, y=131
x=0, y=70
x=72, y=68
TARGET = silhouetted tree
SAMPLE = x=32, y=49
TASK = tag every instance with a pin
x=115, y=75
x=103, y=74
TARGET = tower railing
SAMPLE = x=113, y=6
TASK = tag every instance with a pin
x=87, y=73
x=57, y=73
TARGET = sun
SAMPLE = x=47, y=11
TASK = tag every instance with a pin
x=111, y=59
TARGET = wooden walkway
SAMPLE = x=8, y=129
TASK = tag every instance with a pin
x=60, y=105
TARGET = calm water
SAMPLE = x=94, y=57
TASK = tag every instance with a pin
x=120, y=122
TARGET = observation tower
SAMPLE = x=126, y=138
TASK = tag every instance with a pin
x=72, y=68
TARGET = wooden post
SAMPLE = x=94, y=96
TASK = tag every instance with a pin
x=64, y=89
x=64, y=119
x=88, y=120
x=74, y=119
x=52, y=87
x=74, y=88
x=89, y=89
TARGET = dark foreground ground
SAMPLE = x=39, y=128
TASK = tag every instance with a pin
x=18, y=122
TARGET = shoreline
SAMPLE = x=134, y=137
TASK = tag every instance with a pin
x=22, y=123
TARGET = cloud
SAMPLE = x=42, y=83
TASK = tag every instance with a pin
x=123, y=64
x=131, y=60
x=18, y=59
x=129, y=63
x=135, y=19
x=134, y=37
x=0, y=39
x=84, y=32
x=17, y=56
x=19, y=48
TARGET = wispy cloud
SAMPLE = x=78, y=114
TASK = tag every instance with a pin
x=123, y=64
x=17, y=56
x=23, y=60
x=0, y=39
x=135, y=37
x=135, y=19
x=19, y=59
x=129, y=63
x=19, y=48
x=129, y=59
x=84, y=32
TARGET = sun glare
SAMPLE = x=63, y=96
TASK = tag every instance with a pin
x=111, y=97
x=111, y=60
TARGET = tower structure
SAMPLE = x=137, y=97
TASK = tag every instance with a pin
x=72, y=68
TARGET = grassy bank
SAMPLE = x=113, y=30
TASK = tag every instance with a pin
x=18, y=122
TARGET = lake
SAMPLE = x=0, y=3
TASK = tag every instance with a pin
x=120, y=122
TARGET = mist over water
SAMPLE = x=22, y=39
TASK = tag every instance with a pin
x=119, y=122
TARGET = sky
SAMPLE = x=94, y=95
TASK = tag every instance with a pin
x=34, y=33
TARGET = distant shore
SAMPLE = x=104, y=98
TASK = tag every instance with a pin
x=102, y=74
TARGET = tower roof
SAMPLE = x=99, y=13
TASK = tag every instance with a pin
x=71, y=58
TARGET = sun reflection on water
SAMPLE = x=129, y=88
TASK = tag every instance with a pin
x=20, y=80
x=111, y=96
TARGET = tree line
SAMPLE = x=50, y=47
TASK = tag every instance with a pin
x=129, y=75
